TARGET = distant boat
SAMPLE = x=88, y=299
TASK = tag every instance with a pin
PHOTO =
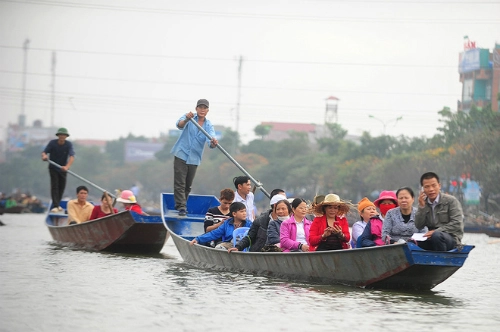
x=126, y=232
x=15, y=209
x=490, y=230
x=398, y=266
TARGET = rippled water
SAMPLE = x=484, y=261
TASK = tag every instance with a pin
x=45, y=287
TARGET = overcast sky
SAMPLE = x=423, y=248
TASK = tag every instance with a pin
x=130, y=66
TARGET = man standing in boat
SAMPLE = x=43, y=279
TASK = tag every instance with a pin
x=441, y=213
x=61, y=152
x=188, y=151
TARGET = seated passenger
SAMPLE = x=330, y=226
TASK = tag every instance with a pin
x=257, y=235
x=79, y=210
x=366, y=210
x=386, y=200
x=372, y=234
x=330, y=231
x=282, y=209
x=294, y=232
x=399, y=223
x=217, y=214
x=129, y=201
x=238, y=213
x=103, y=210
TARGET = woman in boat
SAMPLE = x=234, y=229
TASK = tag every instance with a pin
x=366, y=210
x=238, y=219
x=372, y=234
x=399, y=223
x=103, y=210
x=256, y=237
x=386, y=200
x=282, y=210
x=129, y=201
x=330, y=230
x=294, y=232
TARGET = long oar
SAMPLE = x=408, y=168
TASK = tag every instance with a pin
x=257, y=183
x=85, y=180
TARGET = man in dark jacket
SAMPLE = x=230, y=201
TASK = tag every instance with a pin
x=441, y=213
x=257, y=234
x=61, y=152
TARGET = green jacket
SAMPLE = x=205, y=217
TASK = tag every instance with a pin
x=449, y=217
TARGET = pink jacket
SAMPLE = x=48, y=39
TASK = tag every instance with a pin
x=376, y=228
x=288, y=234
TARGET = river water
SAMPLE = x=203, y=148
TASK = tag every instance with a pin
x=46, y=287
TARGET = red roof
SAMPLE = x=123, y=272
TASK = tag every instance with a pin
x=285, y=126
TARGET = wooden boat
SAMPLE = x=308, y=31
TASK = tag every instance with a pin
x=398, y=266
x=126, y=232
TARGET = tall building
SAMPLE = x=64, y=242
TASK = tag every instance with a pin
x=479, y=71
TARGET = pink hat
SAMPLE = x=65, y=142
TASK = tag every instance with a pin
x=127, y=196
x=386, y=194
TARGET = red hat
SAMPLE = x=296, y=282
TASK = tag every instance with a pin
x=386, y=194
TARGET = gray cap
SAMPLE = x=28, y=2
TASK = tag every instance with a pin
x=202, y=102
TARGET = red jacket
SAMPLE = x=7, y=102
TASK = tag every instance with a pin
x=134, y=207
x=318, y=228
x=97, y=213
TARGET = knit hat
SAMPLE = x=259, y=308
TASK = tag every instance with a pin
x=364, y=203
x=386, y=194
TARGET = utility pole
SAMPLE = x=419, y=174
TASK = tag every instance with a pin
x=240, y=63
x=53, y=85
x=22, y=117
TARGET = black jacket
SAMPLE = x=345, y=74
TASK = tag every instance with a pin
x=257, y=234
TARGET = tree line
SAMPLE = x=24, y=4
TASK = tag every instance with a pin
x=466, y=143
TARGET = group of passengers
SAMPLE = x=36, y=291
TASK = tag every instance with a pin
x=79, y=210
x=297, y=226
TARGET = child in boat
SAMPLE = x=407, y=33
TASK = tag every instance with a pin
x=103, y=210
x=238, y=219
x=129, y=201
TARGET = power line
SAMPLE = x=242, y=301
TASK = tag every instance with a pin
x=232, y=60
x=329, y=90
x=142, y=102
x=255, y=16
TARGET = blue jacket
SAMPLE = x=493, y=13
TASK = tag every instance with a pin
x=225, y=231
x=190, y=145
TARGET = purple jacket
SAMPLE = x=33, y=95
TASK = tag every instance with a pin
x=288, y=234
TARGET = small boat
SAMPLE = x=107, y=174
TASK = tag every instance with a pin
x=397, y=266
x=490, y=230
x=15, y=209
x=124, y=232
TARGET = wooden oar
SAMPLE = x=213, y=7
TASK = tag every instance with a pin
x=257, y=183
x=81, y=178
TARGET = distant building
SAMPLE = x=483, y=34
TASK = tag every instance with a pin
x=479, y=71
x=101, y=144
x=281, y=131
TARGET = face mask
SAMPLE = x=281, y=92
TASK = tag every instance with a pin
x=386, y=207
x=283, y=218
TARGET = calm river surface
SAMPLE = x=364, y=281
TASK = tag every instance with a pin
x=45, y=287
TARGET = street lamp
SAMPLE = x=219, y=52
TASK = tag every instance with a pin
x=385, y=123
